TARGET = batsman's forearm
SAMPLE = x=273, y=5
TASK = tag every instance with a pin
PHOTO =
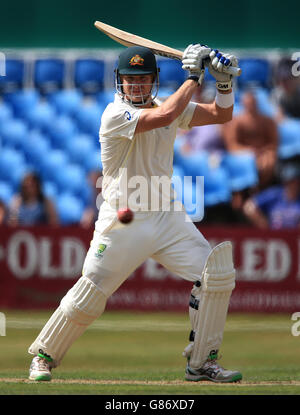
x=177, y=102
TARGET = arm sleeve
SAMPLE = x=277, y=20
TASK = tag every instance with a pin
x=186, y=117
x=119, y=122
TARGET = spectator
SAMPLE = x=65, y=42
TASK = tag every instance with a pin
x=3, y=213
x=253, y=131
x=30, y=206
x=90, y=214
x=286, y=94
x=207, y=137
x=279, y=206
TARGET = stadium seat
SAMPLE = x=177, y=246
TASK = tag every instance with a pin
x=81, y=148
x=71, y=178
x=42, y=117
x=16, y=176
x=62, y=131
x=6, y=114
x=36, y=149
x=171, y=74
x=55, y=162
x=216, y=187
x=89, y=118
x=49, y=74
x=195, y=164
x=105, y=97
x=50, y=190
x=93, y=162
x=6, y=192
x=69, y=209
x=14, y=133
x=241, y=169
x=255, y=72
x=66, y=101
x=10, y=160
x=22, y=101
x=14, y=76
x=89, y=75
x=289, y=138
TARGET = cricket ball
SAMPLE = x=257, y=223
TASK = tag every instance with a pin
x=125, y=215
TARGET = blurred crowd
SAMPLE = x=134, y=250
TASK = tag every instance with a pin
x=270, y=198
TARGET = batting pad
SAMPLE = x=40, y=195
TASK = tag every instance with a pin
x=218, y=281
x=82, y=304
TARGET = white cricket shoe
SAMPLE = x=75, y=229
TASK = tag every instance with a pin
x=40, y=369
x=213, y=372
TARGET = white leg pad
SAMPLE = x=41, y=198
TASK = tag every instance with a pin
x=218, y=281
x=82, y=304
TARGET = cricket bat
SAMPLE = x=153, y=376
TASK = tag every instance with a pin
x=128, y=39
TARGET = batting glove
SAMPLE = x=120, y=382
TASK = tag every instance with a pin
x=193, y=61
x=218, y=68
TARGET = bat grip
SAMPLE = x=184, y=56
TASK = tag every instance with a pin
x=232, y=70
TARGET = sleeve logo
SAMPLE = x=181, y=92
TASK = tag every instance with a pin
x=127, y=115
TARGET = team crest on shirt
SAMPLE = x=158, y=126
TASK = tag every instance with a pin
x=100, y=250
x=127, y=115
x=136, y=60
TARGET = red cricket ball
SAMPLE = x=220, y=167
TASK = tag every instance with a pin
x=125, y=215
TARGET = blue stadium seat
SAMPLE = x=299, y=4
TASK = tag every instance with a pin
x=89, y=118
x=254, y=72
x=14, y=133
x=66, y=101
x=50, y=190
x=6, y=114
x=22, y=101
x=289, y=138
x=93, y=162
x=36, y=149
x=80, y=148
x=42, y=117
x=55, y=161
x=105, y=97
x=70, y=178
x=62, y=131
x=216, y=187
x=10, y=160
x=195, y=164
x=49, y=74
x=241, y=169
x=6, y=192
x=171, y=74
x=17, y=175
x=89, y=75
x=69, y=208
x=14, y=75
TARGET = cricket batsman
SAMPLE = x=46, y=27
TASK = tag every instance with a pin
x=137, y=136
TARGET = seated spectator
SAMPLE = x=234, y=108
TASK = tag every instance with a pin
x=286, y=94
x=279, y=206
x=204, y=138
x=30, y=206
x=90, y=214
x=3, y=213
x=252, y=131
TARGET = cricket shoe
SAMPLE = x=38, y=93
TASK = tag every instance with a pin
x=40, y=368
x=213, y=372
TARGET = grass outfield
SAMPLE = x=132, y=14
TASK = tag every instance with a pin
x=140, y=354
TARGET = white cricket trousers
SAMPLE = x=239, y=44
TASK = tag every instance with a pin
x=115, y=252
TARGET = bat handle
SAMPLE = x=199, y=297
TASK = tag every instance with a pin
x=232, y=70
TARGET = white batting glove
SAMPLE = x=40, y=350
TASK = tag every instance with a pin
x=193, y=61
x=218, y=68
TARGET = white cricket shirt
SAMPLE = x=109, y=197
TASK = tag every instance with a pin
x=144, y=159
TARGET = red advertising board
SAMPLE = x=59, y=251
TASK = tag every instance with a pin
x=39, y=264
